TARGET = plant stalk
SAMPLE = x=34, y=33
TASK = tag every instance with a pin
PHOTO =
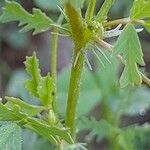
x=77, y=32
x=73, y=94
x=54, y=66
x=54, y=61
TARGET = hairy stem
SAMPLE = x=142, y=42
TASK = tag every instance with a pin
x=77, y=32
x=73, y=94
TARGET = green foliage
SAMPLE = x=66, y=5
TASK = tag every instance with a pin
x=10, y=137
x=29, y=109
x=45, y=89
x=15, y=12
x=32, y=68
x=49, y=132
x=130, y=47
x=86, y=33
x=140, y=9
x=102, y=14
x=14, y=114
x=100, y=128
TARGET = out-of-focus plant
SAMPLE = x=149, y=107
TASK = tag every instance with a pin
x=88, y=34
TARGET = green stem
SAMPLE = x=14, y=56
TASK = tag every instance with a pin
x=90, y=11
x=54, y=66
x=77, y=32
x=123, y=21
x=117, y=22
x=73, y=94
x=54, y=61
x=102, y=14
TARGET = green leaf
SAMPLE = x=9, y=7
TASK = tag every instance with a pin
x=126, y=139
x=102, y=14
x=14, y=114
x=101, y=128
x=38, y=21
x=128, y=44
x=10, y=137
x=49, y=132
x=45, y=90
x=32, y=68
x=140, y=9
x=31, y=110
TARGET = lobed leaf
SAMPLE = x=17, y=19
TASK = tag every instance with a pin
x=45, y=90
x=49, y=131
x=131, y=49
x=38, y=21
x=10, y=137
x=31, y=110
x=7, y=114
x=32, y=68
x=140, y=9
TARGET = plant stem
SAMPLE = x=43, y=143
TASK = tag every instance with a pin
x=54, y=66
x=77, y=32
x=73, y=94
x=145, y=79
x=102, y=14
x=54, y=61
x=123, y=21
x=117, y=22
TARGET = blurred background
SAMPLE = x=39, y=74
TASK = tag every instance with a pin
x=15, y=46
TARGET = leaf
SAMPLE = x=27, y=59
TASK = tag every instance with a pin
x=38, y=21
x=128, y=44
x=101, y=128
x=139, y=102
x=31, y=110
x=45, y=90
x=49, y=132
x=140, y=9
x=32, y=68
x=34, y=142
x=102, y=14
x=10, y=137
x=126, y=139
x=14, y=114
